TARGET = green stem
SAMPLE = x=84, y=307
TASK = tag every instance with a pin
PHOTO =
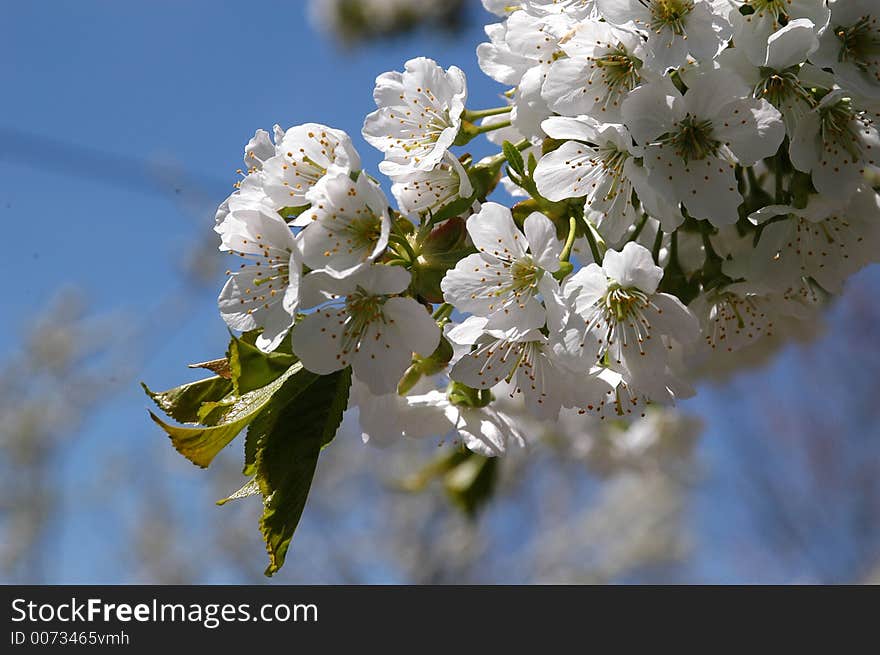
x=707, y=245
x=658, y=241
x=482, y=129
x=673, y=252
x=468, y=131
x=443, y=311
x=780, y=187
x=569, y=242
x=753, y=180
x=639, y=228
x=475, y=115
x=565, y=267
x=594, y=247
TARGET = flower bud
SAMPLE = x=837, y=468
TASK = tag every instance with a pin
x=421, y=366
x=440, y=251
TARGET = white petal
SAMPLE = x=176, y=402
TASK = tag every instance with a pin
x=543, y=244
x=317, y=342
x=379, y=359
x=493, y=231
x=792, y=45
x=633, y=267
x=567, y=172
x=648, y=111
x=753, y=130
x=585, y=287
x=418, y=330
x=468, y=331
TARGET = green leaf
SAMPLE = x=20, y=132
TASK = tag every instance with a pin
x=201, y=444
x=533, y=164
x=251, y=443
x=471, y=483
x=453, y=209
x=251, y=368
x=183, y=403
x=287, y=456
x=265, y=422
x=514, y=158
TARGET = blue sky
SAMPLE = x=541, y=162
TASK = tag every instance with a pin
x=92, y=88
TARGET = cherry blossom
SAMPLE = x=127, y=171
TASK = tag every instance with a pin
x=348, y=224
x=674, y=28
x=304, y=155
x=620, y=320
x=418, y=115
x=512, y=272
x=368, y=325
x=693, y=142
x=264, y=291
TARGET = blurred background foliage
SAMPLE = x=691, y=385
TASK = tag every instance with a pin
x=772, y=476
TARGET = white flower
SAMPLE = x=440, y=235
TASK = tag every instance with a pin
x=674, y=29
x=665, y=440
x=519, y=54
x=527, y=359
x=418, y=192
x=736, y=316
x=522, y=42
x=604, y=63
x=755, y=21
x=835, y=144
x=505, y=280
x=263, y=293
x=618, y=400
x=619, y=320
x=387, y=418
x=249, y=191
x=419, y=115
x=486, y=430
x=366, y=325
x=851, y=46
x=529, y=106
x=824, y=241
x=600, y=163
x=259, y=149
x=348, y=224
x=693, y=141
x=304, y=155
x=778, y=79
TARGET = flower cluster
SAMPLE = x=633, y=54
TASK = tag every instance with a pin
x=691, y=183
